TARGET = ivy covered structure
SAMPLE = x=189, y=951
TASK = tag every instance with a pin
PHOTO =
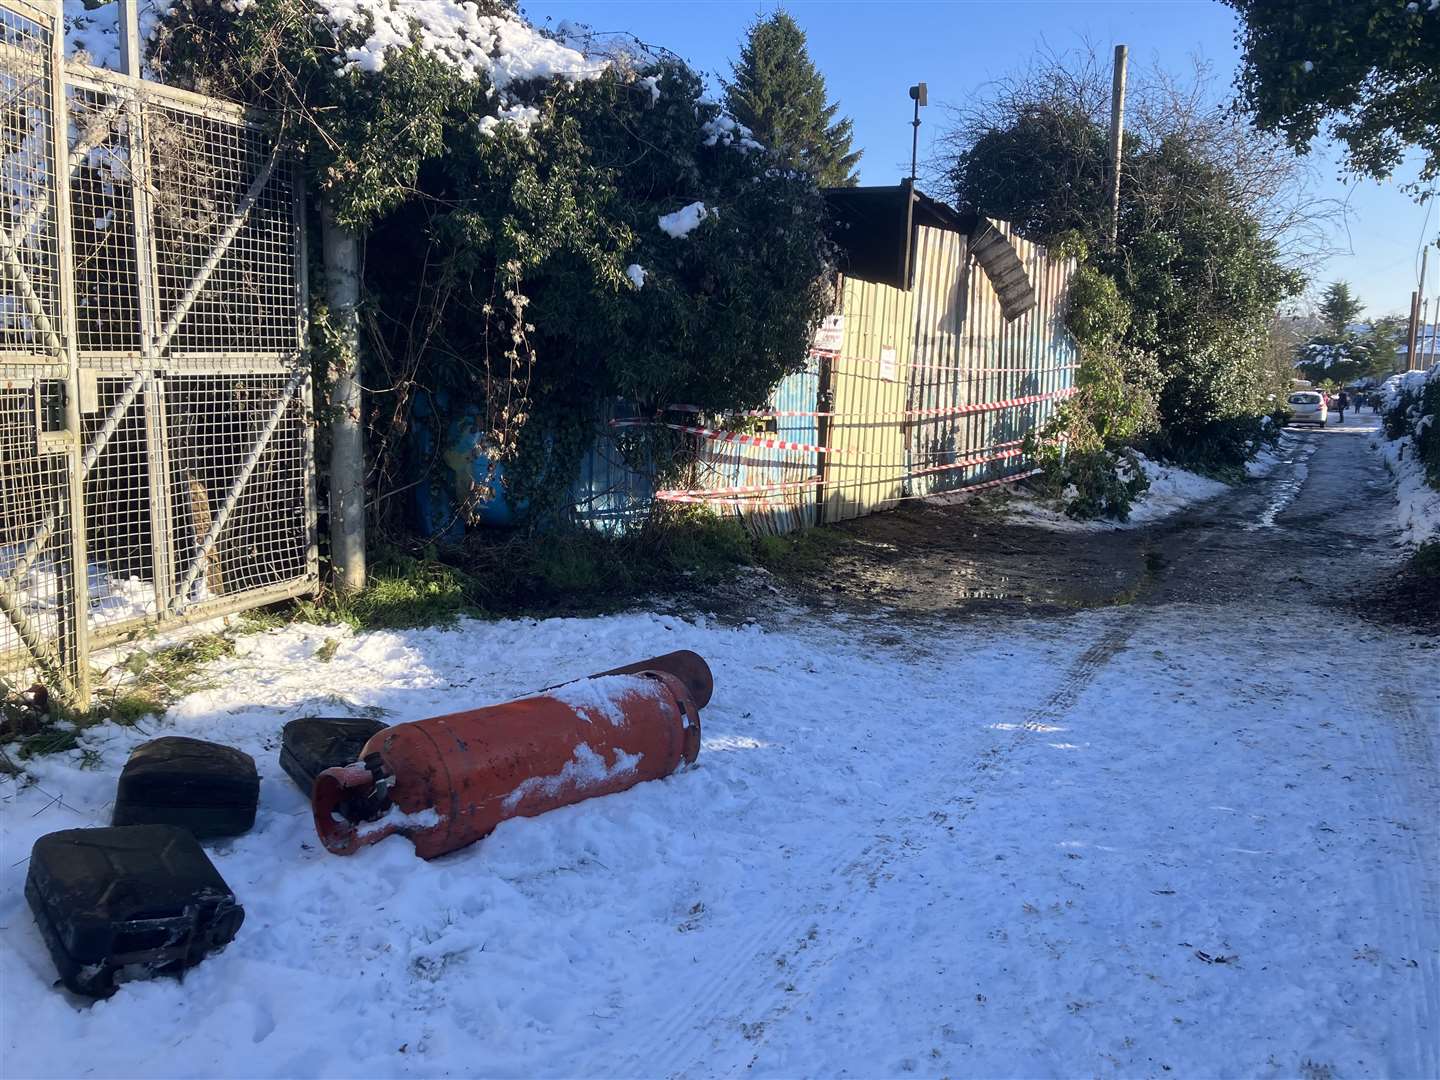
x=587, y=289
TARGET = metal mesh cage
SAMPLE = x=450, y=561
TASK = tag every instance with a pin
x=237, y=484
x=102, y=225
x=156, y=440
x=30, y=300
x=120, y=545
x=218, y=186
x=36, y=577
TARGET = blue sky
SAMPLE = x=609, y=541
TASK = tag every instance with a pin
x=871, y=51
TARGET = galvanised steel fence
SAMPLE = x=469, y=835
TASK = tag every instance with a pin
x=156, y=434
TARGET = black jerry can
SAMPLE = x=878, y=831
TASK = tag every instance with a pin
x=137, y=900
x=210, y=789
x=312, y=744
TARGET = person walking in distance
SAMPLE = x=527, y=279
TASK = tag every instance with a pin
x=1341, y=404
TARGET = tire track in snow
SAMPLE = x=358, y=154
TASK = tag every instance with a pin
x=1287, y=489
x=1407, y=787
x=769, y=974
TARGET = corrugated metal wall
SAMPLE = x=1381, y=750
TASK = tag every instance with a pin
x=931, y=390
x=869, y=384
x=772, y=488
x=939, y=381
x=969, y=361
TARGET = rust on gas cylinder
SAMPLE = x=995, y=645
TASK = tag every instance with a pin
x=448, y=781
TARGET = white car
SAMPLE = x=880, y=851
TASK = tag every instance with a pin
x=1308, y=407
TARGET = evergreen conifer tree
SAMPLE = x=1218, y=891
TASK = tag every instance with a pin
x=1339, y=308
x=776, y=92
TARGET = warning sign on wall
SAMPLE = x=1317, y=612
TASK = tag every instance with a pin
x=889, y=369
x=830, y=336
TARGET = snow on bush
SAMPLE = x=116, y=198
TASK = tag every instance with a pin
x=1326, y=354
x=1418, y=504
x=1406, y=382
x=723, y=131
x=503, y=47
x=1412, y=450
x=521, y=117
x=636, y=273
x=1170, y=491
x=684, y=221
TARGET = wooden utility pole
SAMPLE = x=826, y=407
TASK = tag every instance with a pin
x=1410, y=330
x=1117, y=136
x=1412, y=361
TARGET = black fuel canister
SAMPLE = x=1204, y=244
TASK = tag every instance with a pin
x=127, y=901
x=312, y=744
x=210, y=789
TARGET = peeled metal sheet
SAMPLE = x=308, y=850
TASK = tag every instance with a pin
x=969, y=354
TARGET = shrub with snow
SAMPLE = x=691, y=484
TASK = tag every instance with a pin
x=523, y=200
x=1412, y=405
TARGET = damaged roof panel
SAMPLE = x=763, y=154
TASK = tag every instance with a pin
x=875, y=227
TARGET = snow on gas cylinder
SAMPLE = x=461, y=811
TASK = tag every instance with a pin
x=448, y=781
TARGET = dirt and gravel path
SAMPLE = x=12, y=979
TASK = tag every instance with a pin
x=1317, y=530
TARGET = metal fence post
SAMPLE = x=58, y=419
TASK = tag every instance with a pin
x=77, y=602
x=347, y=447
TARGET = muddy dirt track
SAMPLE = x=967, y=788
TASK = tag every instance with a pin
x=1317, y=530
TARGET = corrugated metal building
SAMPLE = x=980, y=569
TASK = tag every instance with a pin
x=953, y=348
x=946, y=347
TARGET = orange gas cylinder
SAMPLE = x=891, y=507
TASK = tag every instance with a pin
x=689, y=667
x=448, y=781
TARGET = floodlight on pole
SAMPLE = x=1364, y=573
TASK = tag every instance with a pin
x=920, y=96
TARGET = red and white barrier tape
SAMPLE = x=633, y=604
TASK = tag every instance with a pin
x=723, y=494
x=960, y=368
x=1019, y=452
x=1011, y=478
x=1007, y=479
x=738, y=437
x=748, y=493
x=909, y=414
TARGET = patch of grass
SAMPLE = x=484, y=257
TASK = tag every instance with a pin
x=575, y=563
x=697, y=544
x=543, y=572
x=158, y=679
x=54, y=740
x=801, y=553
x=153, y=682
x=326, y=652
x=130, y=708
x=404, y=591
x=1426, y=560
x=267, y=618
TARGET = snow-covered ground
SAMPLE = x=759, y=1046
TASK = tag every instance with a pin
x=1144, y=841
x=1171, y=490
